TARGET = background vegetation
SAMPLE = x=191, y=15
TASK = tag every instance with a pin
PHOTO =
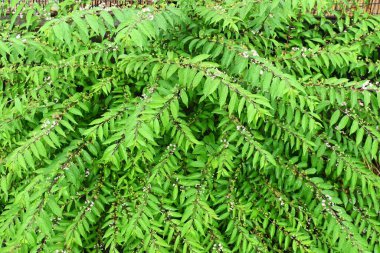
x=210, y=126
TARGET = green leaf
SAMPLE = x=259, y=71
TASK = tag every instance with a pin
x=54, y=207
x=76, y=111
x=354, y=127
x=197, y=79
x=67, y=125
x=92, y=22
x=4, y=48
x=232, y=103
x=210, y=86
x=41, y=149
x=174, y=108
x=343, y=122
x=199, y=58
x=334, y=117
x=359, y=136
x=184, y=98
x=18, y=105
x=223, y=93
x=145, y=131
x=59, y=32
x=44, y=224
x=21, y=161
x=107, y=18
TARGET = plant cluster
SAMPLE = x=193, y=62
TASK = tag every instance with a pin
x=205, y=126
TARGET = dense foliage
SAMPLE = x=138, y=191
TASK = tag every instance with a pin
x=211, y=126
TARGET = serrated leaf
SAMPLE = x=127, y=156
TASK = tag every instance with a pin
x=199, y=58
x=343, y=122
x=54, y=207
x=334, y=117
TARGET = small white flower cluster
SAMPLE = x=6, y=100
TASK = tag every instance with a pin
x=151, y=89
x=112, y=47
x=247, y=54
x=144, y=96
x=176, y=182
x=219, y=8
x=150, y=16
x=232, y=206
x=100, y=246
x=147, y=12
x=303, y=50
x=87, y=173
x=333, y=147
x=57, y=177
x=60, y=251
x=241, y=129
x=225, y=143
x=48, y=80
x=147, y=189
x=257, y=32
x=329, y=201
x=49, y=124
x=218, y=247
x=344, y=104
x=18, y=36
x=366, y=85
x=369, y=85
x=308, y=221
x=172, y=148
x=254, y=53
x=146, y=9
x=89, y=204
x=282, y=203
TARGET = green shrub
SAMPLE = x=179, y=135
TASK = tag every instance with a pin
x=238, y=126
